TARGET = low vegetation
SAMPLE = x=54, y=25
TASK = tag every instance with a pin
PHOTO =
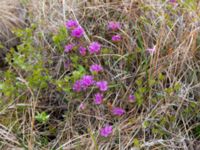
x=100, y=75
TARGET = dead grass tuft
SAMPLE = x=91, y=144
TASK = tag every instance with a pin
x=12, y=16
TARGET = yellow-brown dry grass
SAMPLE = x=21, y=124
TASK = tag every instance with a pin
x=12, y=16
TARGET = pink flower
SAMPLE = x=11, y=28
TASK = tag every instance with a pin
x=98, y=98
x=71, y=24
x=69, y=47
x=102, y=85
x=81, y=106
x=116, y=38
x=131, y=98
x=83, y=83
x=118, y=111
x=96, y=68
x=94, y=48
x=151, y=50
x=87, y=81
x=106, y=130
x=77, y=32
x=82, y=50
x=77, y=87
x=112, y=25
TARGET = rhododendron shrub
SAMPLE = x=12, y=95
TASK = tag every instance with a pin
x=94, y=81
x=90, y=85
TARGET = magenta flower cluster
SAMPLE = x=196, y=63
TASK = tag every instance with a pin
x=118, y=111
x=116, y=38
x=69, y=47
x=115, y=26
x=88, y=81
x=82, y=84
x=112, y=25
x=94, y=48
x=106, y=130
x=82, y=50
x=98, y=98
x=76, y=30
x=96, y=68
x=71, y=24
x=102, y=85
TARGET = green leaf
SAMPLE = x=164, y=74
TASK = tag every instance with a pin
x=152, y=82
x=139, y=99
x=177, y=86
x=136, y=142
x=145, y=124
x=42, y=117
x=161, y=77
x=139, y=82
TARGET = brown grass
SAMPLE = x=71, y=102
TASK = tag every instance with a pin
x=12, y=16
